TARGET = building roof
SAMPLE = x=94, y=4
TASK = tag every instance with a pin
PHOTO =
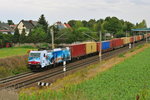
x=60, y=25
x=4, y=27
x=141, y=30
x=67, y=25
x=33, y=22
x=29, y=24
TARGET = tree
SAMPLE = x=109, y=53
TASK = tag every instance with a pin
x=48, y=36
x=38, y=35
x=112, y=25
x=144, y=23
x=85, y=23
x=141, y=24
x=22, y=37
x=16, y=36
x=10, y=22
x=72, y=23
x=4, y=38
x=43, y=23
x=64, y=36
x=78, y=24
x=91, y=23
x=29, y=38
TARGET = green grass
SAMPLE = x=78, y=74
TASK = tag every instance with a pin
x=13, y=60
x=13, y=65
x=14, y=51
x=124, y=81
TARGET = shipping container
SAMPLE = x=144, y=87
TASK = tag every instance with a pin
x=98, y=46
x=131, y=39
x=138, y=38
x=126, y=40
x=77, y=50
x=141, y=37
x=116, y=43
x=91, y=47
x=106, y=45
x=148, y=34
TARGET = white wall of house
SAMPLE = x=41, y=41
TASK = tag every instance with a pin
x=21, y=27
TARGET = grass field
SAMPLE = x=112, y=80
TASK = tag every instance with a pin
x=14, y=51
x=13, y=60
x=125, y=81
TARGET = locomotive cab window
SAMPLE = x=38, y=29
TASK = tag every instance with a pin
x=34, y=55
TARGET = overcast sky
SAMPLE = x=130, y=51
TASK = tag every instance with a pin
x=65, y=10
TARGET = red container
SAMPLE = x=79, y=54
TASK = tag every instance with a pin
x=117, y=43
x=111, y=45
x=77, y=50
x=138, y=38
x=131, y=39
x=98, y=46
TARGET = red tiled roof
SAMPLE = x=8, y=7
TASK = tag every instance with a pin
x=5, y=31
x=67, y=25
x=13, y=25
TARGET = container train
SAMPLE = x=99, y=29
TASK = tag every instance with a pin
x=46, y=58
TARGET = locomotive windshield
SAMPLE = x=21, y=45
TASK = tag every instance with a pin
x=34, y=54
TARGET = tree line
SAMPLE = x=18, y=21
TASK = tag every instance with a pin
x=81, y=30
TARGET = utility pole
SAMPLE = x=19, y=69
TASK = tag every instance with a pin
x=133, y=39
x=146, y=36
x=126, y=40
x=52, y=33
x=100, y=51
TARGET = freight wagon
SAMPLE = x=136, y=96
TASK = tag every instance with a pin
x=91, y=47
x=77, y=50
x=137, y=38
x=106, y=46
x=126, y=40
x=98, y=46
x=131, y=39
x=117, y=43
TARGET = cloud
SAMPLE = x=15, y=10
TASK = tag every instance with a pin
x=64, y=10
x=141, y=2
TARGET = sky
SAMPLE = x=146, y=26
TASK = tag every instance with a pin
x=65, y=10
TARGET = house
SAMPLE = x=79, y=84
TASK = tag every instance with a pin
x=28, y=25
x=13, y=27
x=108, y=36
x=6, y=29
x=60, y=25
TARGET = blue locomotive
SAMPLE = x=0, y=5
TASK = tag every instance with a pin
x=41, y=59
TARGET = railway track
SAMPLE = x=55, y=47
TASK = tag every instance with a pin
x=4, y=80
x=21, y=81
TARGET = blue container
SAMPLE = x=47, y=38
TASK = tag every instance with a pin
x=105, y=45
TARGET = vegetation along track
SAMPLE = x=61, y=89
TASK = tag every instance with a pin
x=23, y=80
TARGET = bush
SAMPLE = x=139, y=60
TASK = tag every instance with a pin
x=27, y=46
